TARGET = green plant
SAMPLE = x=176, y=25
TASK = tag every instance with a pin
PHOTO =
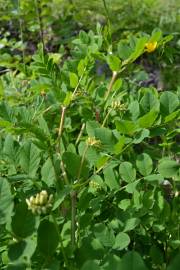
x=89, y=168
x=25, y=22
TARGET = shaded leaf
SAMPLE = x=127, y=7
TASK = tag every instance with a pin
x=175, y=263
x=104, y=235
x=90, y=265
x=132, y=261
x=29, y=224
x=6, y=201
x=22, y=250
x=48, y=238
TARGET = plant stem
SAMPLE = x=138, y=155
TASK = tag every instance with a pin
x=106, y=117
x=60, y=130
x=61, y=122
x=73, y=193
x=80, y=133
x=64, y=172
x=114, y=76
x=39, y=17
x=73, y=218
x=127, y=146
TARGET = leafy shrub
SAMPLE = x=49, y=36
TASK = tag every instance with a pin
x=89, y=167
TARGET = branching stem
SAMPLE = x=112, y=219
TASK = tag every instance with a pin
x=114, y=76
x=106, y=117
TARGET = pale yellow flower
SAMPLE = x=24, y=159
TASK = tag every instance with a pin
x=91, y=141
x=40, y=203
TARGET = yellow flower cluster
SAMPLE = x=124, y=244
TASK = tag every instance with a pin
x=94, y=185
x=118, y=105
x=91, y=141
x=151, y=46
x=40, y=203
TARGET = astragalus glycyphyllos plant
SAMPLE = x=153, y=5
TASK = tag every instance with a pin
x=84, y=160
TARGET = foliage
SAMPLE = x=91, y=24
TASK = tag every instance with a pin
x=88, y=156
